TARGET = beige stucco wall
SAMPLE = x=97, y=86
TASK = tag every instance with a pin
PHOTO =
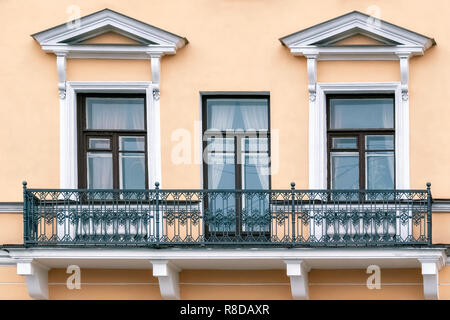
x=11, y=228
x=398, y=284
x=233, y=47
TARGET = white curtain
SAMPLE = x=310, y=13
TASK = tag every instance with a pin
x=221, y=114
x=115, y=113
x=100, y=170
x=254, y=115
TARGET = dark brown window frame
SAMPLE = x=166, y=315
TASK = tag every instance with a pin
x=360, y=134
x=84, y=134
x=237, y=135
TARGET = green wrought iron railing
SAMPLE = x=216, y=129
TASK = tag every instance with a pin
x=289, y=218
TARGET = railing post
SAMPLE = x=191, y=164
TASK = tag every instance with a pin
x=429, y=213
x=25, y=213
x=293, y=210
x=157, y=210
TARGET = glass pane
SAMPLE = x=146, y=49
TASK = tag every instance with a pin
x=115, y=113
x=221, y=171
x=344, y=170
x=132, y=143
x=234, y=114
x=345, y=143
x=99, y=167
x=255, y=144
x=256, y=171
x=379, y=142
x=361, y=113
x=132, y=170
x=220, y=144
x=255, y=213
x=221, y=215
x=98, y=143
x=380, y=170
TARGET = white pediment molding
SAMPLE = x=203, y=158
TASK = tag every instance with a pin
x=320, y=40
x=67, y=38
x=66, y=41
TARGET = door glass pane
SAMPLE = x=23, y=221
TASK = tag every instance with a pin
x=219, y=144
x=235, y=114
x=361, y=113
x=221, y=171
x=99, y=143
x=256, y=171
x=99, y=167
x=115, y=113
x=221, y=215
x=380, y=142
x=344, y=170
x=256, y=144
x=132, y=143
x=132, y=170
x=380, y=170
x=345, y=143
x=255, y=213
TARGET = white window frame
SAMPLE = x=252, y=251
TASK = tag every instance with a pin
x=318, y=169
x=69, y=129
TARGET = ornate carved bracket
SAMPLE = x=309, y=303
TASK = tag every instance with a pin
x=404, y=72
x=312, y=76
x=61, y=68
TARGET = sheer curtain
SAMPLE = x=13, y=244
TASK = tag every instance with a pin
x=100, y=171
x=254, y=115
x=221, y=114
x=115, y=113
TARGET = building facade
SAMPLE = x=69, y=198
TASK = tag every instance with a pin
x=224, y=149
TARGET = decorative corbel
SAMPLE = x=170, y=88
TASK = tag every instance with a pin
x=36, y=276
x=61, y=68
x=404, y=72
x=297, y=271
x=430, y=273
x=156, y=74
x=312, y=75
x=167, y=275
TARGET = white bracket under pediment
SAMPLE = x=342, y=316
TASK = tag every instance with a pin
x=67, y=41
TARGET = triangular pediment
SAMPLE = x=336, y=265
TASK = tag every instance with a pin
x=358, y=40
x=76, y=36
x=342, y=30
x=111, y=37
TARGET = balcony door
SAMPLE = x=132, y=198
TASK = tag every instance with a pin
x=236, y=144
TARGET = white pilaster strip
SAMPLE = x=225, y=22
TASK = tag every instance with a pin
x=430, y=273
x=36, y=278
x=168, y=279
x=297, y=271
